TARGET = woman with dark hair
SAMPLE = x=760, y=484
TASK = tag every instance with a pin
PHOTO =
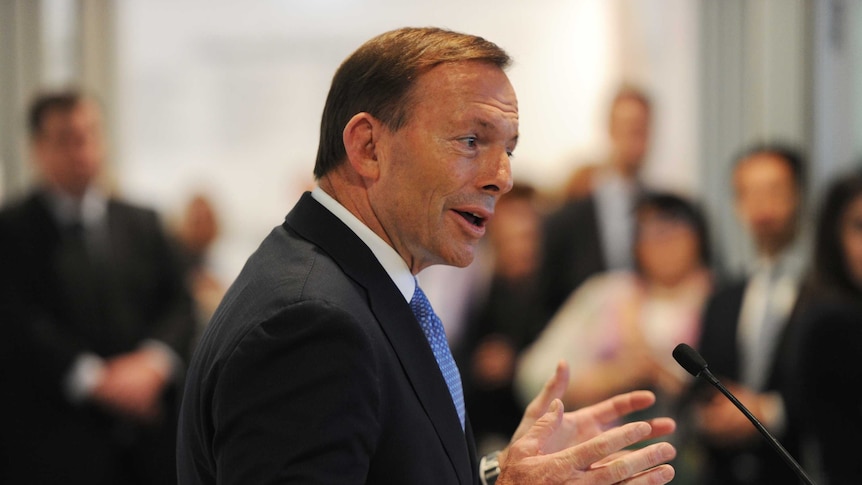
x=617, y=331
x=829, y=342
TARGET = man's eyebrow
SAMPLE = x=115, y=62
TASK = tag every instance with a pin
x=484, y=123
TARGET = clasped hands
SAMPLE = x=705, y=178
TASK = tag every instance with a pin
x=586, y=446
x=132, y=384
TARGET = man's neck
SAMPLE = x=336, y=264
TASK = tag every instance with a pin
x=626, y=171
x=773, y=250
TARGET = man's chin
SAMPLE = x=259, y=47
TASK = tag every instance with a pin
x=461, y=258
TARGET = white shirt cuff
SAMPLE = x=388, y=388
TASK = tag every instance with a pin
x=163, y=358
x=86, y=373
x=774, y=413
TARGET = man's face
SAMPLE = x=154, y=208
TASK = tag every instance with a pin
x=443, y=172
x=629, y=132
x=767, y=200
x=69, y=148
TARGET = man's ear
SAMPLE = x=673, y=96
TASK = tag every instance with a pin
x=361, y=137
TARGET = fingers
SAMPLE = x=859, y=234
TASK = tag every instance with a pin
x=592, y=456
x=554, y=388
x=535, y=440
x=604, y=459
x=611, y=409
x=655, y=476
x=584, y=455
x=661, y=427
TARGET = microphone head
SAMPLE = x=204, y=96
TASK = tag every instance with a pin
x=689, y=359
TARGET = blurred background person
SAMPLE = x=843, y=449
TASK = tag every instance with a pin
x=95, y=314
x=591, y=234
x=618, y=330
x=501, y=323
x=195, y=233
x=746, y=323
x=828, y=400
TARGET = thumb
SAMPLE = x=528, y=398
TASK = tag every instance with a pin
x=541, y=432
x=530, y=445
x=554, y=388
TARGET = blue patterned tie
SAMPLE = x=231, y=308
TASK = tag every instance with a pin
x=433, y=328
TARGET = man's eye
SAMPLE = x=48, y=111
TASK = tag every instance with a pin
x=470, y=141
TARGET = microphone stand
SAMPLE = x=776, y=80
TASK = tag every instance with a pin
x=785, y=455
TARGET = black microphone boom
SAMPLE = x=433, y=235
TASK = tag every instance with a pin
x=695, y=365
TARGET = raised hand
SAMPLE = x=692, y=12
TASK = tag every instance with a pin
x=585, y=446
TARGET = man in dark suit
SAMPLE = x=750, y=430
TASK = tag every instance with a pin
x=747, y=323
x=94, y=316
x=593, y=233
x=325, y=363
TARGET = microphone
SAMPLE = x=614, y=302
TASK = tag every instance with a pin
x=695, y=365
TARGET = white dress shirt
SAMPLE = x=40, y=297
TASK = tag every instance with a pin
x=615, y=200
x=388, y=257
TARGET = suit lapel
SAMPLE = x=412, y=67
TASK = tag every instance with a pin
x=314, y=222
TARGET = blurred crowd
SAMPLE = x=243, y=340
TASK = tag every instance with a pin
x=611, y=274
x=102, y=301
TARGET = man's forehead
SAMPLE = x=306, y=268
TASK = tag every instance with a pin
x=462, y=72
x=470, y=81
x=81, y=112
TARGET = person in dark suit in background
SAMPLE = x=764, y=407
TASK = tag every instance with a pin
x=325, y=363
x=95, y=318
x=827, y=401
x=592, y=234
x=500, y=322
x=746, y=324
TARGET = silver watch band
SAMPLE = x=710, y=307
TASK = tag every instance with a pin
x=489, y=468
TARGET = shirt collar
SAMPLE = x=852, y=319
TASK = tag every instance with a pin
x=391, y=261
x=611, y=185
x=788, y=263
x=89, y=210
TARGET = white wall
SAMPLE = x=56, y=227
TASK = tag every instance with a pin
x=226, y=96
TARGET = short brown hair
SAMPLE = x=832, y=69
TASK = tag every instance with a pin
x=45, y=103
x=377, y=78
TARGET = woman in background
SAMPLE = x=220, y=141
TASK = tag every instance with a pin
x=829, y=342
x=618, y=330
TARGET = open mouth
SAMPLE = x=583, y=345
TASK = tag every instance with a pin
x=473, y=219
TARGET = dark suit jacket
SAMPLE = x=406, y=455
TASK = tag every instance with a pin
x=314, y=370
x=828, y=398
x=757, y=463
x=572, y=252
x=53, y=307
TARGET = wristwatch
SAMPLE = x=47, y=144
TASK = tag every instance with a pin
x=489, y=468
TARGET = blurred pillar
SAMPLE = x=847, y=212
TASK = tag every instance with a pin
x=837, y=78
x=20, y=74
x=755, y=87
x=97, y=39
